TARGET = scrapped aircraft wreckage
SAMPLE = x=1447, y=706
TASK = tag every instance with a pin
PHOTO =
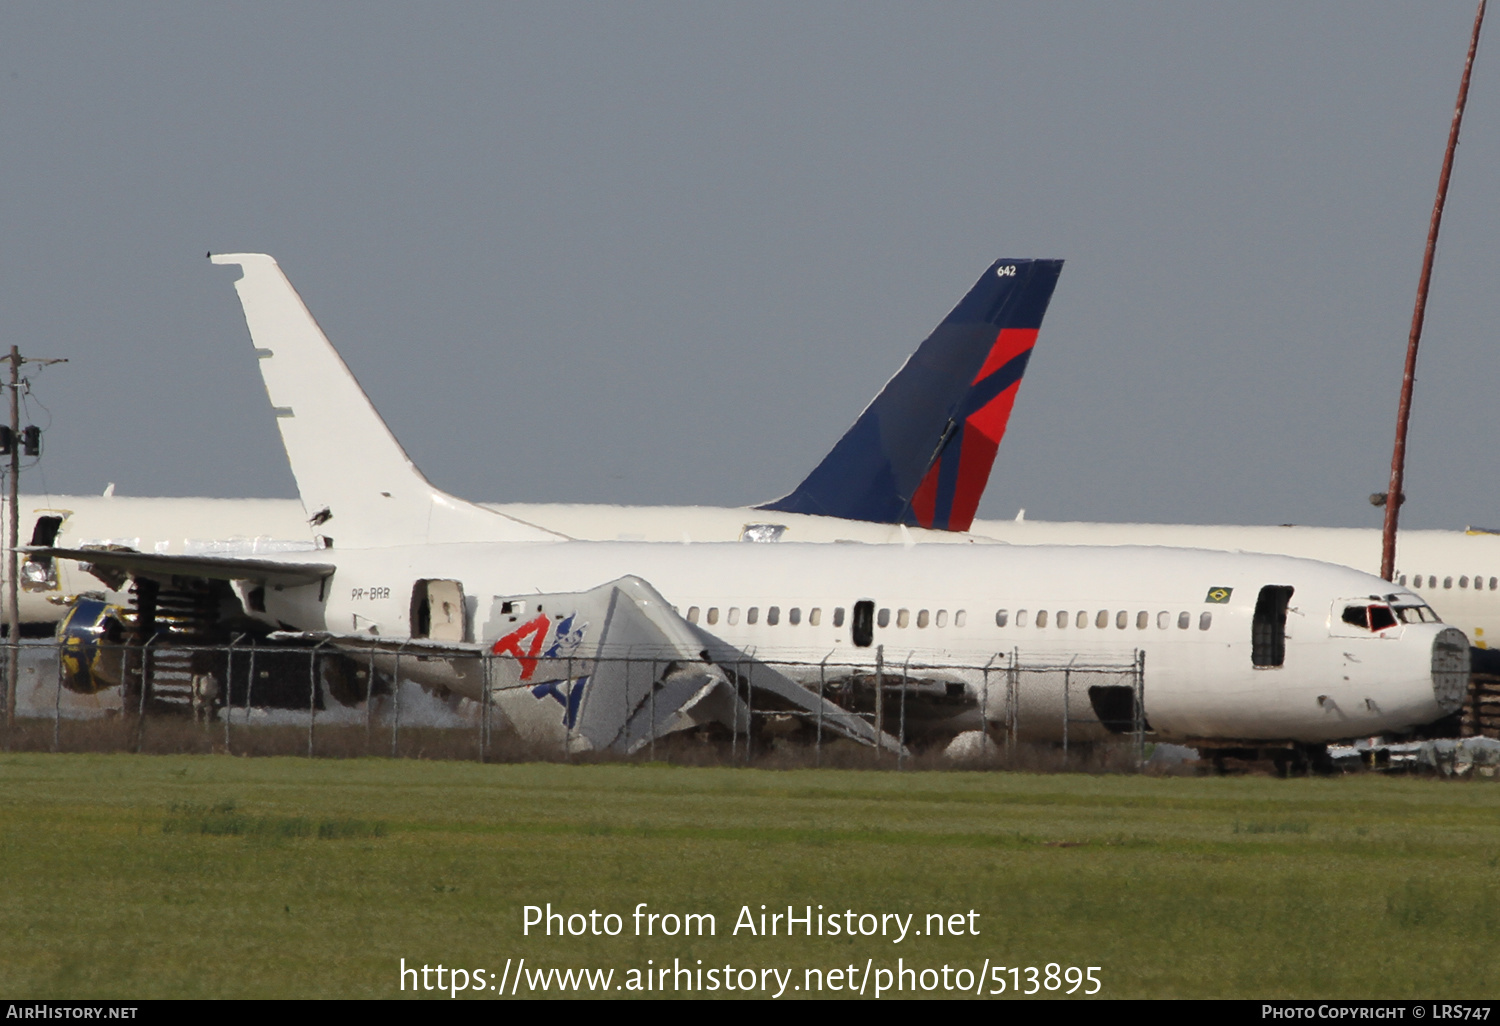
x=609, y=669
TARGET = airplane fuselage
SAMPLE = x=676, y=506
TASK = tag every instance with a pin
x=1191, y=612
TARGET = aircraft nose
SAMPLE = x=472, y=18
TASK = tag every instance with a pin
x=1450, y=669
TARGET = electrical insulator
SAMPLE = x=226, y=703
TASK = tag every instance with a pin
x=7, y=441
x=31, y=440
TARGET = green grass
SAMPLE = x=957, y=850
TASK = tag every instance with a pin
x=198, y=876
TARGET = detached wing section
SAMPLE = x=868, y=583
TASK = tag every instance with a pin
x=612, y=668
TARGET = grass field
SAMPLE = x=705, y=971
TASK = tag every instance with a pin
x=196, y=876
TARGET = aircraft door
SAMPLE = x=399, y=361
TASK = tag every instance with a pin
x=1268, y=629
x=862, y=625
x=437, y=611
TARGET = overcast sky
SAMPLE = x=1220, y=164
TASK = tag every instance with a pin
x=664, y=253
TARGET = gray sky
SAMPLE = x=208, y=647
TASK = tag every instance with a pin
x=664, y=253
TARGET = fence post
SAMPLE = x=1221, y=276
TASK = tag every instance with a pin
x=312, y=695
x=250, y=683
x=568, y=708
x=57, y=703
x=140, y=721
x=370, y=699
x=652, y=710
x=228, y=705
x=1067, y=679
x=822, y=679
x=396, y=703
x=749, y=709
x=1140, y=710
x=484, y=710
x=879, y=699
x=1012, y=702
x=984, y=718
x=901, y=741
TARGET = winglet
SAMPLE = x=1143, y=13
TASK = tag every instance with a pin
x=921, y=452
x=357, y=484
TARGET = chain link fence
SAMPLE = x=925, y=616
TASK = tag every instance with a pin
x=256, y=698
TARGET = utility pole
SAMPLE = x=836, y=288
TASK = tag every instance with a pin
x=1393, y=495
x=13, y=535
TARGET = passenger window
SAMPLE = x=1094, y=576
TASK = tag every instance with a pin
x=794, y=616
x=1041, y=618
x=734, y=615
x=838, y=616
x=884, y=619
x=1142, y=620
x=942, y=618
x=1021, y=618
x=1163, y=619
x=1447, y=582
x=752, y=614
x=1492, y=584
x=1121, y=619
x=1183, y=619
x=1102, y=620
x=1463, y=582
x=815, y=616
x=1205, y=621
x=773, y=616
x=1001, y=616
x=1062, y=617
x=903, y=617
x=713, y=614
x=860, y=628
x=1268, y=629
x=1381, y=617
x=960, y=618
x=692, y=614
x=922, y=619
x=1401, y=580
x=1431, y=581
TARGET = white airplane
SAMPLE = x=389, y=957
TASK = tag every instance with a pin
x=949, y=403
x=1239, y=647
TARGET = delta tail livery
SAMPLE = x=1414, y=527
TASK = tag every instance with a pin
x=921, y=452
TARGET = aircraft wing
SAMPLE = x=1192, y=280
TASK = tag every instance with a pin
x=156, y=564
x=626, y=667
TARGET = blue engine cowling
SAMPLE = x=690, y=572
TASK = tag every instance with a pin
x=92, y=646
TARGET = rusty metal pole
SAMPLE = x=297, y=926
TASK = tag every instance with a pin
x=13, y=536
x=1393, y=495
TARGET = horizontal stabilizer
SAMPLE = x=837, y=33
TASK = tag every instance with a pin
x=920, y=454
x=214, y=568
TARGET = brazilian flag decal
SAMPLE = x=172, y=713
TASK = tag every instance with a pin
x=1219, y=596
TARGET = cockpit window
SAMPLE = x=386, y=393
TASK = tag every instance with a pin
x=1371, y=617
x=1417, y=614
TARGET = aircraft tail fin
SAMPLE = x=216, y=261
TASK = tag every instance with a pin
x=921, y=452
x=356, y=482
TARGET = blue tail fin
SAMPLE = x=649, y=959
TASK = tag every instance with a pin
x=921, y=452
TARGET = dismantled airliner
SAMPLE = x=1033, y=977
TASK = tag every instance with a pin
x=606, y=645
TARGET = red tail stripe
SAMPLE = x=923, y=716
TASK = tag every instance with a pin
x=982, y=434
x=1009, y=344
x=924, y=501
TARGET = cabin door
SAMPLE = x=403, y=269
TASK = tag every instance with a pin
x=437, y=610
